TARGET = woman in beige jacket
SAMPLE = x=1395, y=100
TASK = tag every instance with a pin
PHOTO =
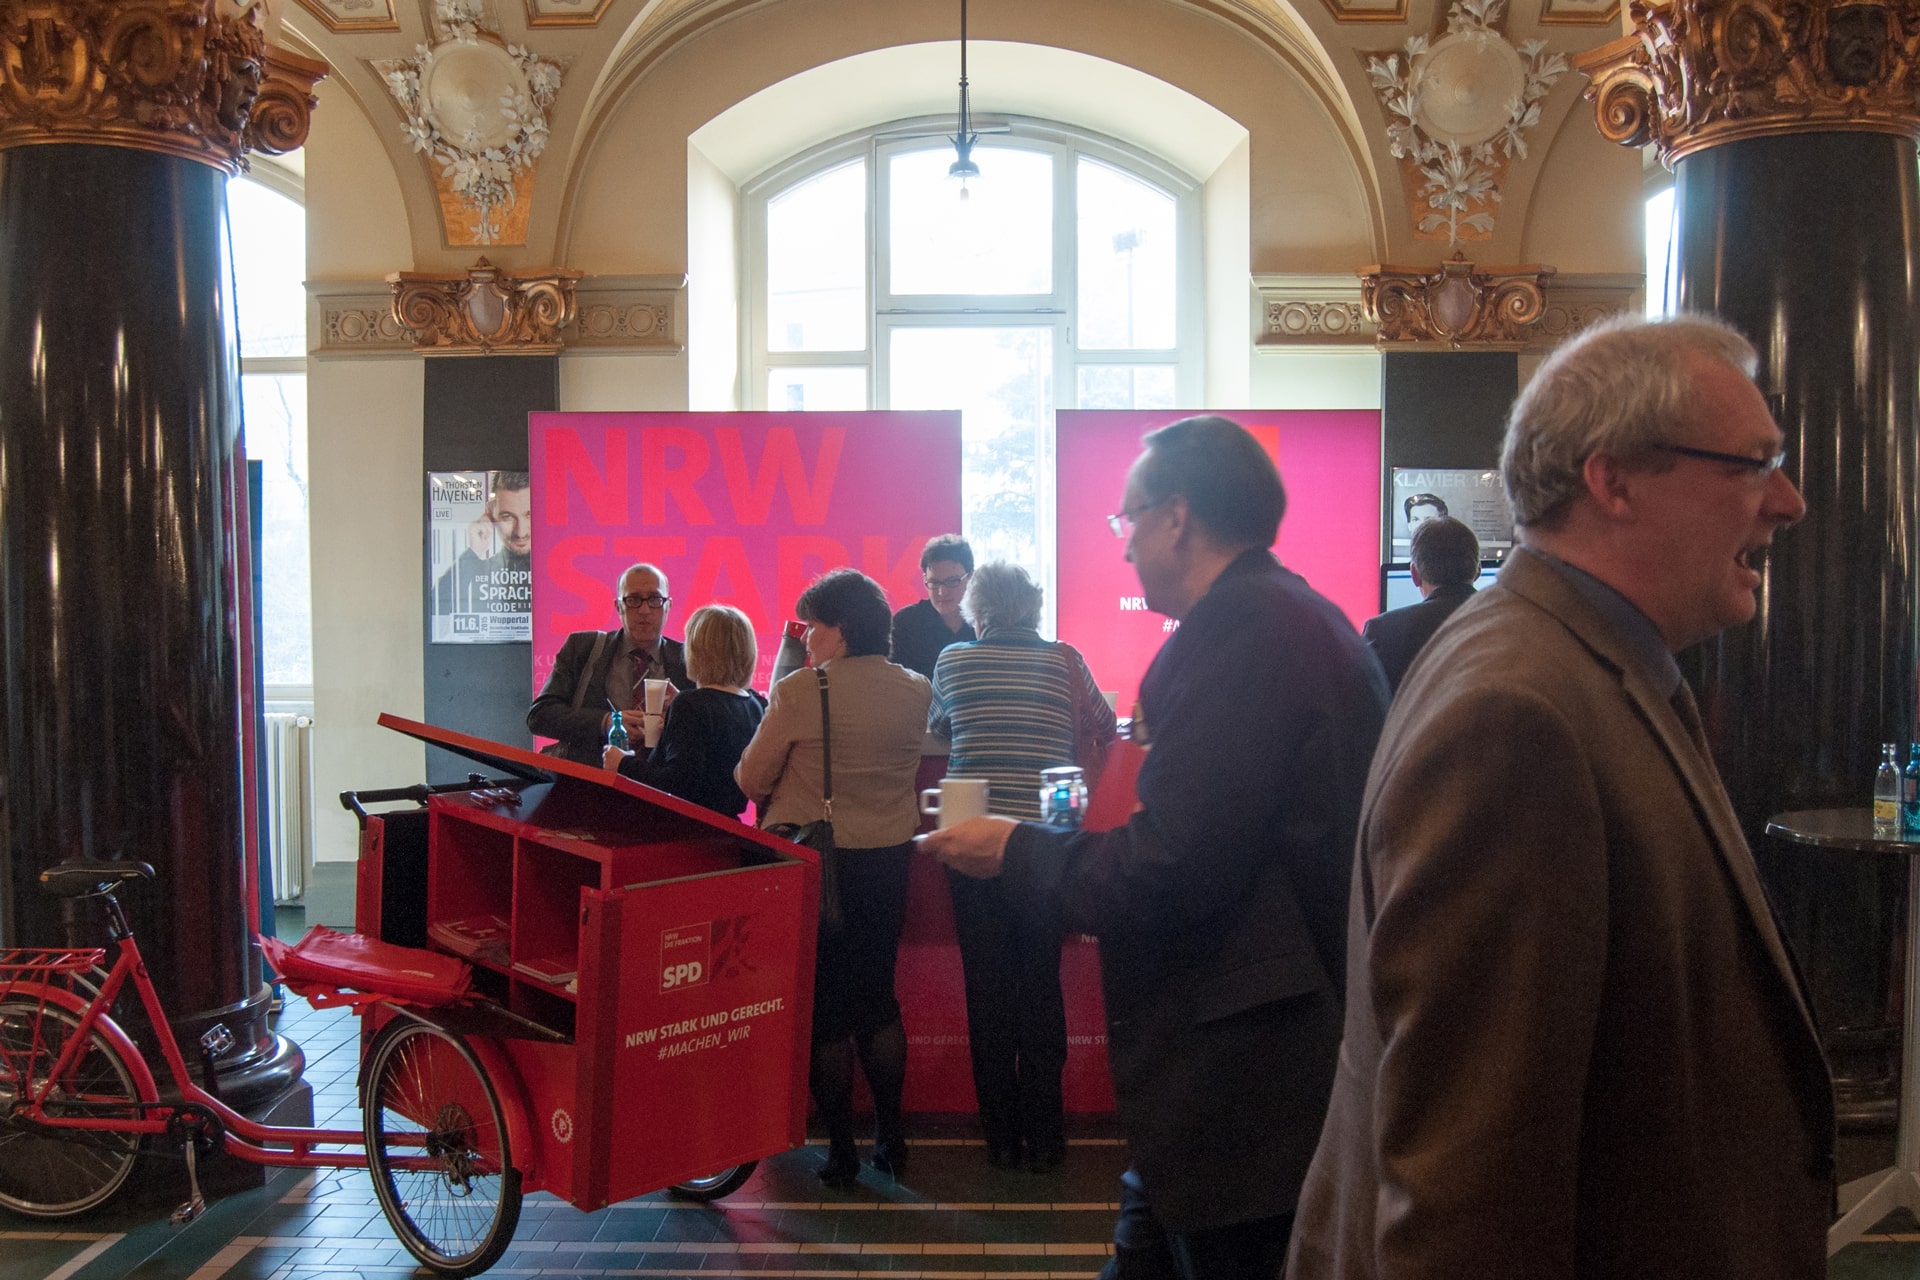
x=878, y=716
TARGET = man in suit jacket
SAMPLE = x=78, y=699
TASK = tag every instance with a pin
x=1220, y=906
x=1575, y=1044
x=598, y=669
x=1446, y=560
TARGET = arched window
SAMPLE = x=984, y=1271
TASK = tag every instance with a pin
x=1065, y=275
x=269, y=267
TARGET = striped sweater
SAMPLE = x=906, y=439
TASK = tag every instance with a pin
x=1006, y=702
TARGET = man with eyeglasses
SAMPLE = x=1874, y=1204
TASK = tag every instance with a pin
x=596, y=669
x=1221, y=904
x=924, y=628
x=1575, y=1044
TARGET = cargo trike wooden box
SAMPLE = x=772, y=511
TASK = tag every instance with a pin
x=648, y=964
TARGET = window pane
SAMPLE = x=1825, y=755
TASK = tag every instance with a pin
x=269, y=269
x=1001, y=380
x=837, y=389
x=1659, y=251
x=275, y=406
x=995, y=238
x=1127, y=261
x=1126, y=386
x=816, y=263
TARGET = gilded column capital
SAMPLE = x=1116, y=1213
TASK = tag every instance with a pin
x=485, y=311
x=188, y=78
x=1457, y=304
x=1696, y=73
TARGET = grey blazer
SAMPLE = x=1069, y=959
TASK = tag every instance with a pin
x=1575, y=1045
x=879, y=718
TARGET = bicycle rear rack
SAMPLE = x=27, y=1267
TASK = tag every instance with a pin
x=78, y=971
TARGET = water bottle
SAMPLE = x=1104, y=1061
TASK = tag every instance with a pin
x=1063, y=796
x=1886, y=793
x=1910, y=793
x=617, y=732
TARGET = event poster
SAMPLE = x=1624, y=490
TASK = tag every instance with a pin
x=1476, y=498
x=1329, y=461
x=479, y=557
x=740, y=508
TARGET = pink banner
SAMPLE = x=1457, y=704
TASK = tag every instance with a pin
x=736, y=508
x=1330, y=463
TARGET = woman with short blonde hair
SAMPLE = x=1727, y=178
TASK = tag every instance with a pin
x=708, y=726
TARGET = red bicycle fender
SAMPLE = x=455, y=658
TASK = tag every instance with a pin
x=513, y=1103
x=129, y=1053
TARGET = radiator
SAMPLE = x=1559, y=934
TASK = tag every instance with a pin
x=289, y=802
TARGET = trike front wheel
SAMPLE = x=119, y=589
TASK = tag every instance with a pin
x=438, y=1151
x=54, y=1173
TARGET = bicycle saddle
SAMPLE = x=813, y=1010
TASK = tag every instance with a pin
x=79, y=878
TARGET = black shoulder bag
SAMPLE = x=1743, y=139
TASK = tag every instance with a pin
x=818, y=836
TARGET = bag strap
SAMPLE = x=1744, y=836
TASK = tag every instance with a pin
x=586, y=673
x=826, y=747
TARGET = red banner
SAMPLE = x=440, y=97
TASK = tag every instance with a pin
x=738, y=508
x=1330, y=463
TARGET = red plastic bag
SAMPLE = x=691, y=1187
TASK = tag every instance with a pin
x=326, y=962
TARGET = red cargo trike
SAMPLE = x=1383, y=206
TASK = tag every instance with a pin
x=633, y=1013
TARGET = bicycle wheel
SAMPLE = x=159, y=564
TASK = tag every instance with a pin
x=437, y=1149
x=714, y=1185
x=49, y=1173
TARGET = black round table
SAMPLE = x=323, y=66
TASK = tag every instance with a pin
x=1865, y=1201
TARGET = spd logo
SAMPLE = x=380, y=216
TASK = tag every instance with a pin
x=686, y=956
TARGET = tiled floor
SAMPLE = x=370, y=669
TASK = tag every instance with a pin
x=950, y=1218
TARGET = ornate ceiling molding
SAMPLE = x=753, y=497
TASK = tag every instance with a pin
x=612, y=314
x=185, y=78
x=566, y=13
x=1580, y=13
x=1697, y=73
x=347, y=17
x=1367, y=10
x=484, y=310
x=1458, y=112
x=1457, y=304
x=478, y=108
x=1311, y=311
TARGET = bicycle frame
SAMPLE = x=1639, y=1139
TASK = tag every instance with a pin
x=241, y=1136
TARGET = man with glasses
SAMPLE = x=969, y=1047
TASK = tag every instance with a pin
x=924, y=628
x=1221, y=904
x=1575, y=1044
x=596, y=670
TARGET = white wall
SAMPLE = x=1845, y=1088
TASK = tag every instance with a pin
x=368, y=503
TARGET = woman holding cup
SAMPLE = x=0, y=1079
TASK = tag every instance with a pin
x=878, y=714
x=1013, y=704
x=692, y=755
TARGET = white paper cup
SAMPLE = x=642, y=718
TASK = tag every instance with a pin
x=655, y=696
x=955, y=800
x=650, y=723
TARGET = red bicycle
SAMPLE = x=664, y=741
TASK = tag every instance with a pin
x=79, y=1100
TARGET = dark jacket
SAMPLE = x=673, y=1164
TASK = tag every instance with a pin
x=1221, y=905
x=574, y=712
x=705, y=732
x=1398, y=635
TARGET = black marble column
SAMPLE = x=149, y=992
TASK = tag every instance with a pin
x=1807, y=243
x=120, y=656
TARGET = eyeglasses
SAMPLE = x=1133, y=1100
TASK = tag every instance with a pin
x=1761, y=468
x=1121, y=522
x=949, y=584
x=653, y=601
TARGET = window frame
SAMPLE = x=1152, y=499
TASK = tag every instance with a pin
x=886, y=310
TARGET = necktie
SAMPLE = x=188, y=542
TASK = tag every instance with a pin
x=642, y=662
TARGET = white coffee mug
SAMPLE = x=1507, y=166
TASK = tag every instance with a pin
x=955, y=800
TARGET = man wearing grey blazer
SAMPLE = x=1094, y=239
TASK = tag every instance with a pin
x=1575, y=1045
